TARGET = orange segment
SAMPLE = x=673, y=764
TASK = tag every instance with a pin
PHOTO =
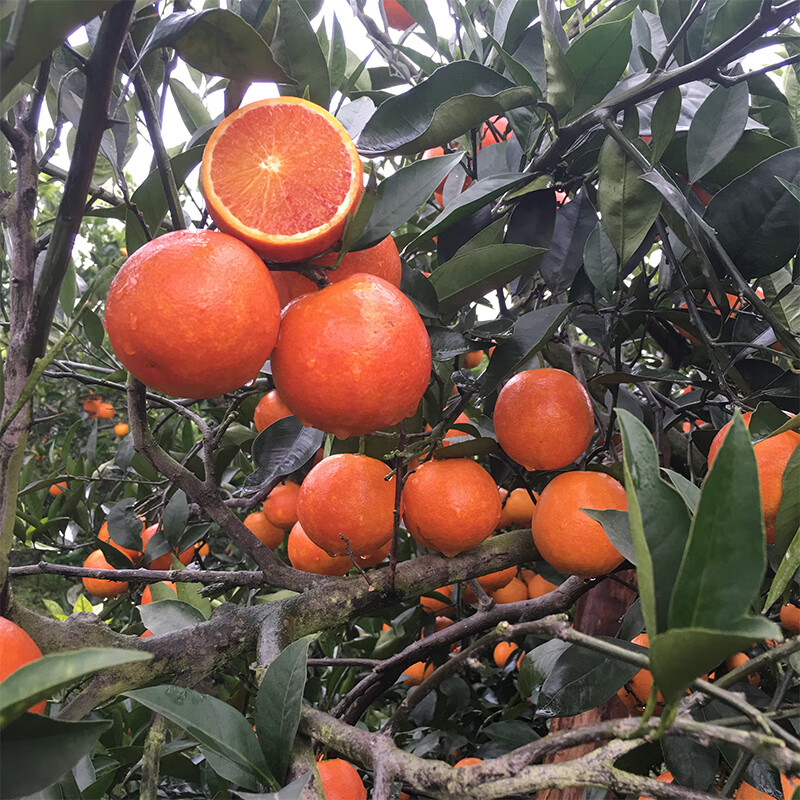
x=282, y=175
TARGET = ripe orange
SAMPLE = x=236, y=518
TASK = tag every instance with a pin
x=539, y=586
x=91, y=404
x=473, y=359
x=348, y=494
x=397, y=17
x=772, y=456
x=518, y=509
x=497, y=580
x=193, y=314
x=147, y=595
x=513, y=592
x=121, y=429
x=105, y=411
x=340, y=780
x=258, y=524
x=18, y=649
x=416, y=673
x=790, y=618
x=566, y=537
x=165, y=561
x=503, y=652
x=748, y=792
x=451, y=505
x=104, y=536
x=280, y=507
x=665, y=777
x=737, y=660
x=100, y=587
x=635, y=692
x=270, y=409
x=383, y=260
x=306, y=556
x=543, y=418
x=372, y=559
x=57, y=488
x=282, y=175
x=335, y=364
x=500, y=124
x=434, y=605
x=468, y=762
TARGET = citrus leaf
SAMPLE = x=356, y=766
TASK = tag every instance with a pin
x=124, y=527
x=690, y=763
x=600, y=262
x=560, y=78
x=788, y=518
x=292, y=791
x=282, y=448
x=175, y=517
x=664, y=122
x=617, y=527
x=191, y=108
x=788, y=566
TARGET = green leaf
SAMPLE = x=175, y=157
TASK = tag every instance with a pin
x=282, y=448
x=511, y=19
x=191, y=108
x=402, y=193
x=297, y=50
x=788, y=518
x=93, y=328
x=792, y=188
x=659, y=521
x=419, y=10
x=690, y=492
x=217, y=42
x=175, y=517
x=219, y=728
x=600, y=262
x=715, y=129
x=190, y=593
x=447, y=344
x=617, y=527
x=690, y=763
x=663, y=123
x=469, y=276
x=560, y=78
x=597, y=59
x=278, y=704
x=756, y=219
x=456, y=98
x=337, y=55
x=166, y=616
x=124, y=527
x=292, y=791
x=531, y=333
x=38, y=679
x=788, y=566
x=36, y=751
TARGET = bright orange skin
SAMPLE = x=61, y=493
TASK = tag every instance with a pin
x=372, y=559
x=473, y=359
x=306, y=556
x=502, y=653
x=497, y=580
x=748, y=792
x=104, y=536
x=335, y=364
x=453, y=433
x=518, y=509
x=270, y=409
x=665, y=777
x=790, y=618
x=772, y=456
x=468, y=762
x=282, y=175
x=165, y=561
x=147, y=595
x=513, y=592
x=258, y=524
x=121, y=429
x=737, y=660
x=566, y=537
x=451, y=505
x=280, y=507
x=16, y=650
x=416, y=673
x=91, y=405
x=539, y=586
x=543, y=419
x=433, y=605
x=98, y=587
x=340, y=780
x=487, y=134
x=193, y=314
x=397, y=17
x=635, y=692
x=57, y=488
x=348, y=494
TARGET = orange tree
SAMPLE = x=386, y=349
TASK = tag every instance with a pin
x=599, y=198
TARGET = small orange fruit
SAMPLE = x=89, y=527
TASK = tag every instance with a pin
x=382, y=260
x=489, y=137
x=340, y=780
x=348, y=494
x=772, y=456
x=100, y=587
x=665, y=777
x=451, y=505
x=104, y=536
x=543, y=418
x=636, y=691
x=748, y=792
x=790, y=617
x=258, y=524
x=434, y=605
x=518, y=509
x=57, y=488
x=290, y=196
x=737, y=660
x=193, y=314
x=105, y=411
x=306, y=556
x=473, y=359
x=147, y=595
x=468, y=762
x=503, y=652
x=397, y=17
x=513, y=592
x=270, y=409
x=165, y=561
x=568, y=538
x=202, y=549
x=416, y=673
x=280, y=507
x=539, y=586
x=497, y=580
x=91, y=404
x=335, y=361
x=121, y=429
x=18, y=649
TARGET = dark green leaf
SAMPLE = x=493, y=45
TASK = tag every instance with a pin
x=166, y=616
x=282, y=448
x=292, y=791
x=690, y=492
x=337, y=55
x=124, y=527
x=447, y=344
x=511, y=734
x=191, y=108
x=666, y=113
x=617, y=527
x=767, y=418
x=600, y=262
x=788, y=519
x=175, y=517
x=419, y=10
x=560, y=78
x=93, y=327
x=278, y=704
x=792, y=188
x=511, y=19
x=690, y=763
x=457, y=97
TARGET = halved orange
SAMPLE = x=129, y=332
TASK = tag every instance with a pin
x=282, y=175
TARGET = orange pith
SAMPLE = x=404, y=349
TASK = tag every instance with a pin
x=282, y=174
x=18, y=649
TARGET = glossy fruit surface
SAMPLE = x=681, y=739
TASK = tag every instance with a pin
x=502, y=652
x=282, y=174
x=568, y=538
x=258, y=524
x=416, y=673
x=99, y=587
x=513, y=592
x=517, y=510
x=340, y=780
x=308, y=557
x=543, y=419
x=372, y=559
x=280, y=507
x=165, y=561
x=468, y=762
x=348, y=495
x=16, y=650
x=270, y=409
x=104, y=536
x=433, y=605
x=121, y=429
x=451, y=505
x=335, y=364
x=193, y=314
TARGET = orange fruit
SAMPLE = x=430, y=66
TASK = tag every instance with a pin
x=665, y=777
x=121, y=429
x=258, y=524
x=397, y=17
x=282, y=175
x=335, y=361
x=500, y=124
x=772, y=456
x=497, y=580
x=203, y=549
x=105, y=411
x=566, y=537
x=737, y=660
x=539, y=586
x=790, y=618
x=513, y=592
x=416, y=673
x=348, y=494
x=433, y=604
x=748, y=792
x=503, y=652
x=147, y=634
x=147, y=595
x=473, y=359
x=165, y=561
x=543, y=418
x=306, y=556
x=468, y=762
x=104, y=536
x=100, y=587
x=57, y=488
x=372, y=559
x=340, y=780
x=280, y=507
x=635, y=692
x=518, y=509
x=91, y=404
x=193, y=314
x=451, y=505
x=18, y=649
x=270, y=409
